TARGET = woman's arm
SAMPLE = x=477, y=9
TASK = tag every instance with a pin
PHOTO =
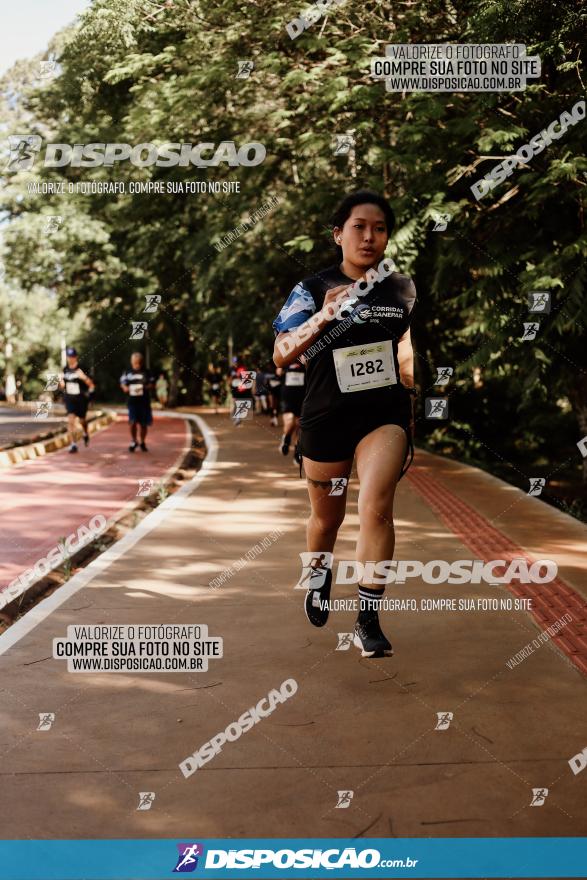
x=405, y=356
x=293, y=343
x=91, y=385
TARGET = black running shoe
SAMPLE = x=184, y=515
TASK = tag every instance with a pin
x=132, y=447
x=369, y=638
x=73, y=448
x=284, y=445
x=144, y=447
x=316, y=602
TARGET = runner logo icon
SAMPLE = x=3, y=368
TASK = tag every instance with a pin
x=23, y=151
x=444, y=719
x=138, y=329
x=46, y=720
x=530, y=330
x=315, y=568
x=539, y=301
x=344, y=799
x=187, y=861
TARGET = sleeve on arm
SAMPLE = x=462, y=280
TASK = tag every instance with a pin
x=298, y=307
x=410, y=295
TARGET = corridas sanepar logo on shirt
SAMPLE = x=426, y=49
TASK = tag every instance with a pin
x=187, y=860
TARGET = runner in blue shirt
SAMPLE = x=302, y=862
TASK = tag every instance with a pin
x=137, y=383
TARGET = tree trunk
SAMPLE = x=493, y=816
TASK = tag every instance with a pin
x=578, y=399
x=185, y=386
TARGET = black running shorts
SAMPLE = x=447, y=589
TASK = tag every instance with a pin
x=76, y=405
x=337, y=437
x=292, y=400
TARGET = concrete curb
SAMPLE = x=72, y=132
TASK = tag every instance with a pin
x=29, y=451
x=100, y=563
x=37, y=586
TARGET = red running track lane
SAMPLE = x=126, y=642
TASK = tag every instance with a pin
x=549, y=601
x=46, y=499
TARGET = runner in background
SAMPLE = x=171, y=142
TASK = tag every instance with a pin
x=162, y=390
x=214, y=381
x=274, y=384
x=242, y=381
x=261, y=392
x=293, y=388
x=137, y=384
x=77, y=387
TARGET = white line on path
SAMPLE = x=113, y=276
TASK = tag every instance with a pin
x=41, y=611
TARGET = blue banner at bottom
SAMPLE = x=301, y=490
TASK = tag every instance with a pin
x=304, y=858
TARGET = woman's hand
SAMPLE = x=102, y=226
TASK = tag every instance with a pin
x=336, y=295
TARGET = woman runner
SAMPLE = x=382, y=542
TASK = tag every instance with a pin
x=351, y=324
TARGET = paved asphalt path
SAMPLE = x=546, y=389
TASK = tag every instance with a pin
x=18, y=425
x=370, y=727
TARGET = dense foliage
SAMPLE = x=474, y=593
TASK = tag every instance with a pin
x=135, y=71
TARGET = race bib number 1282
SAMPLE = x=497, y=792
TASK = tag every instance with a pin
x=359, y=367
